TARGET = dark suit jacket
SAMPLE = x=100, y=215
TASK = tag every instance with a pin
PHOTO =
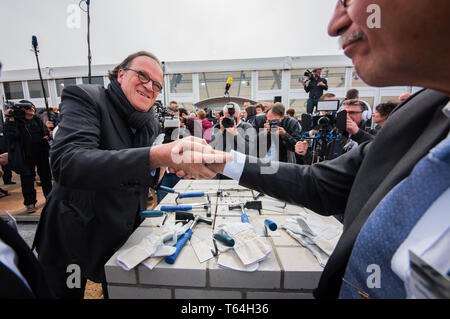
x=101, y=184
x=357, y=181
x=11, y=286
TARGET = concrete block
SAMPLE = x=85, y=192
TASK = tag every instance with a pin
x=301, y=268
x=206, y=294
x=268, y=275
x=114, y=273
x=127, y=292
x=186, y=271
x=278, y=295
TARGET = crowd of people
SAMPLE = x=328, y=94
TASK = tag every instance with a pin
x=104, y=161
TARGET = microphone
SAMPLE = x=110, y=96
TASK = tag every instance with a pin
x=228, y=85
x=34, y=42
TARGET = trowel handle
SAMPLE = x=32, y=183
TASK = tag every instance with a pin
x=244, y=218
x=225, y=239
x=185, y=195
x=270, y=224
x=151, y=213
x=179, y=245
x=173, y=208
x=166, y=189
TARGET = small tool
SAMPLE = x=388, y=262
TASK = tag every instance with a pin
x=151, y=213
x=241, y=206
x=224, y=239
x=269, y=224
x=185, y=237
x=187, y=207
x=200, y=194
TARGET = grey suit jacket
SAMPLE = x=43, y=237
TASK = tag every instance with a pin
x=101, y=184
x=354, y=183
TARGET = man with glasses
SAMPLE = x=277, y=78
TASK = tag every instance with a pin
x=104, y=163
x=394, y=189
x=356, y=125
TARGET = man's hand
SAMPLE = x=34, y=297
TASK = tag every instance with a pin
x=281, y=131
x=187, y=157
x=233, y=130
x=352, y=127
x=301, y=148
x=303, y=83
x=321, y=84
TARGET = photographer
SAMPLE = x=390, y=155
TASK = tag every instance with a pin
x=315, y=85
x=356, y=121
x=282, y=133
x=28, y=149
x=234, y=134
x=382, y=112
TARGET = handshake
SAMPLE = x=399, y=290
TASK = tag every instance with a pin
x=190, y=157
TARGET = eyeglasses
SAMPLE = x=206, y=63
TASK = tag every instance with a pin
x=144, y=78
x=354, y=112
x=346, y=3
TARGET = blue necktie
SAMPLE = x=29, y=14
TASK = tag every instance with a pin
x=391, y=222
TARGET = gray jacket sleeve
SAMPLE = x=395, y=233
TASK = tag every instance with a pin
x=322, y=187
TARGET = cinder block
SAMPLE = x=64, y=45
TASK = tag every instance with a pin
x=206, y=294
x=114, y=273
x=268, y=275
x=301, y=268
x=278, y=295
x=127, y=292
x=186, y=271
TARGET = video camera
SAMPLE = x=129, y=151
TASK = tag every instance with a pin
x=309, y=75
x=17, y=109
x=229, y=121
x=325, y=122
x=166, y=117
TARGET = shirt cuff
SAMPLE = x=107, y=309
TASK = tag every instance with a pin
x=233, y=169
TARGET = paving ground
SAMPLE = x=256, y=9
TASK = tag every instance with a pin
x=27, y=223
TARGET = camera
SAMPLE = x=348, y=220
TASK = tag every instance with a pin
x=229, y=121
x=309, y=75
x=274, y=124
x=17, y=109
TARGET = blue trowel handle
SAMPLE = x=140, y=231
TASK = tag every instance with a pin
x=244, y=218
x=184, y=195
x=166, y=189
x=179, y=245
x=270, y=224
x=151, y=213
x=173, y=208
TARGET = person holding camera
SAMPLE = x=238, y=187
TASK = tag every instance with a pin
x=28, y=149
x=281, y=133
x=233, y=133
x=357, y=127
x=315, y=85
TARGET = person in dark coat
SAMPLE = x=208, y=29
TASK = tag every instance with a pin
x=103, y=162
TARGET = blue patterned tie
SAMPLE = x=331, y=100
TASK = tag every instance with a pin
x=391, y=222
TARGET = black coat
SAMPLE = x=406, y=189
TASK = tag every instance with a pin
x=101, y=184
x=11, y=286
x=354, y=183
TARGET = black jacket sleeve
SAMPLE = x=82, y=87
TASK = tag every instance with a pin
x=76, y=157
x=323, y=187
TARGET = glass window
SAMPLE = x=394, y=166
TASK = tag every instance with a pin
x=35, y=89
x=356, y=80
x=297, y=76
x=334, y=76
x=180, y=83
x=62, y=83
x=13, y=90
x=269, y=80
x=94, y=80
x=213, y=84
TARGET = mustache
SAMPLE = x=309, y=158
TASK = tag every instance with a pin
x=352, y=37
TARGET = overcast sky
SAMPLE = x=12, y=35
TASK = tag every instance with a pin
x=175, y=30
